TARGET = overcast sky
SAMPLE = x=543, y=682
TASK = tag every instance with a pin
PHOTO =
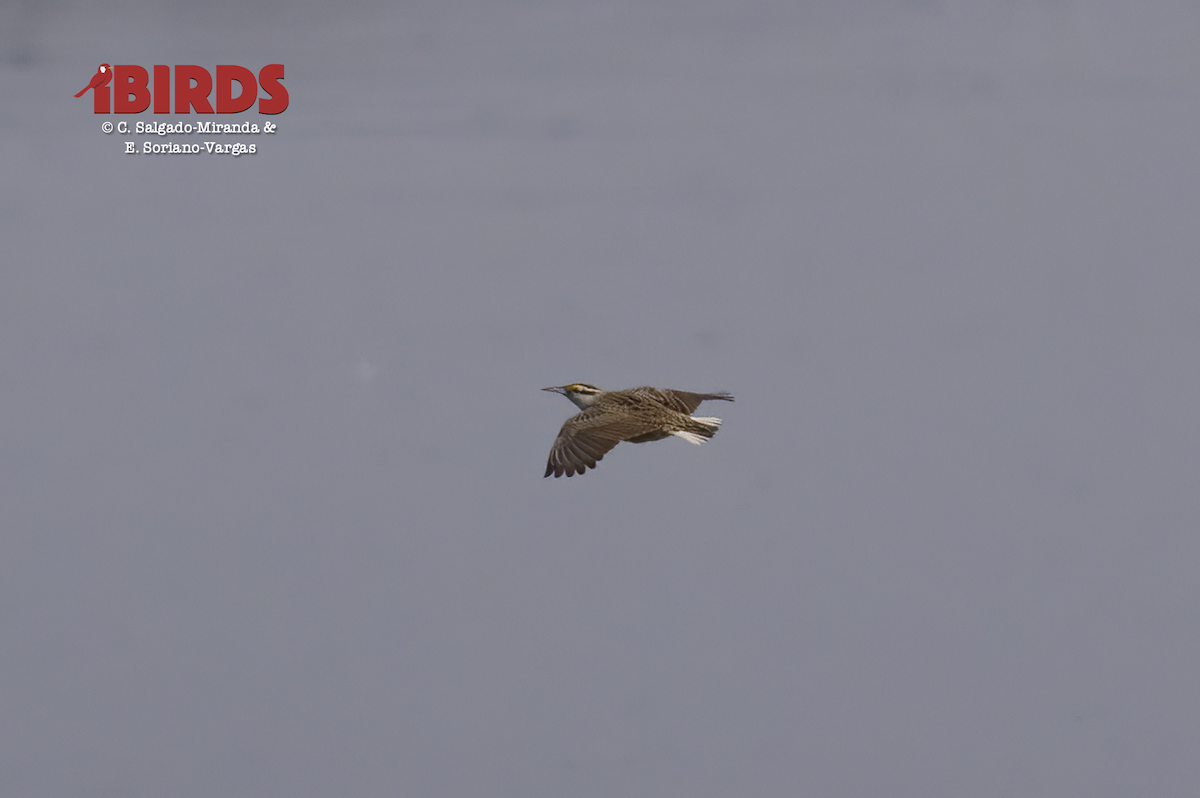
x=271, y=439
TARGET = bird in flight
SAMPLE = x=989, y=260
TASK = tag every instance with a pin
x=103, y=75
x=636, y=415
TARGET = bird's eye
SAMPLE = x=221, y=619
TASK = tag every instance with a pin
x=102, y=67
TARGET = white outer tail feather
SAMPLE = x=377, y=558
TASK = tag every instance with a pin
x=691, y=437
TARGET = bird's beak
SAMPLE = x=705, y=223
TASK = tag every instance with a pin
x=555, y=390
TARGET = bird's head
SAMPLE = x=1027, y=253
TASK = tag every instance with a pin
x=582, y=394
x=104, y=68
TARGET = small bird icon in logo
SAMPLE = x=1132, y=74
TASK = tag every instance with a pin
x=102, y=77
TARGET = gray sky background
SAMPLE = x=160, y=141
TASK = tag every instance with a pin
x=271, y=440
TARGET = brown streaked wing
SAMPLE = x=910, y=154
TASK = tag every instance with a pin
x=585, y=438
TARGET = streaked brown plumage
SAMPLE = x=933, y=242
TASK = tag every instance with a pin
x=636, y=415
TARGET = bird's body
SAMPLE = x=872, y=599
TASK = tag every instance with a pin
x=103, y=75
x=637, y=415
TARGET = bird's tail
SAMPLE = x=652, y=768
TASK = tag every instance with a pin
x=81, y=91
x=698, y=429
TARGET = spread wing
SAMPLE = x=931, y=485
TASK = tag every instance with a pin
x=588, y=436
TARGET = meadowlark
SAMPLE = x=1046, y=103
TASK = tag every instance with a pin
x=636, y=415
